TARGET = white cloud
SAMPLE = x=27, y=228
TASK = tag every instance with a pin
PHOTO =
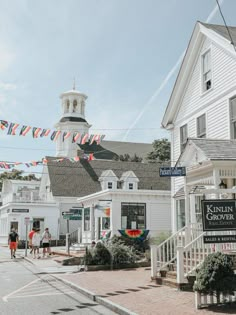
x=4, y=86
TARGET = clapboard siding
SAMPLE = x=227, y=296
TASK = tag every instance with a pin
x=218, y=121
x=161, y=216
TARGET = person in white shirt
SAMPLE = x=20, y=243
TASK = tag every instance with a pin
x=36, y=243
x=46, y=237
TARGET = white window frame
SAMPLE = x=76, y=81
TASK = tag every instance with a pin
x=232, y=119
x=183, y=139
x=206, y=73
x=109, y=185
x=201, y=133
x=131, y=186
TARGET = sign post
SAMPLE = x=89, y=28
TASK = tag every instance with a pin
x=27, y=222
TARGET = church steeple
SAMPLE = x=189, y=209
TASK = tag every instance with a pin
x=72, y=120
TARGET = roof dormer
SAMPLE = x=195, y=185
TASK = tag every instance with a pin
x=108, y=180
x=129, y=181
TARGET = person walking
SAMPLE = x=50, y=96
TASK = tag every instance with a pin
x=36, y=243
x=30, y=235
x=12, y=241
x=46, y=237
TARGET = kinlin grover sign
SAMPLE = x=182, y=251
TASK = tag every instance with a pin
x=219, y=215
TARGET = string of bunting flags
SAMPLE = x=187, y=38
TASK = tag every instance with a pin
x=44, y=161
x=75, y=136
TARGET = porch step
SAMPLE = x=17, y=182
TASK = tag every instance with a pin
x=171, y=275
x=170, y=282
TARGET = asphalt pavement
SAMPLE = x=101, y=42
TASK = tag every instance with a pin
x=25, y=290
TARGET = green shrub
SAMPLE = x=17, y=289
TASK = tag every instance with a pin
x=160, y=238
x=216, y=275
x=99, y=255
x=122, y=254
x=140, y=246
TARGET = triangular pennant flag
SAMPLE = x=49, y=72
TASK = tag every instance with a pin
x=100, y=139
x=91, y=157
x=3, y=124
x=35, y=132
x=91, y=140
x=53, y=135
x=75, y=137
x=24, y=130
x=85, y=138
x=56, y=135
x=12, y=129
x=47, y=132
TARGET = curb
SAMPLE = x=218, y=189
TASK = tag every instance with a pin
x=96, y=298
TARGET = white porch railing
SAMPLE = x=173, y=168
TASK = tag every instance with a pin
x=166, y=253
x=203, y=300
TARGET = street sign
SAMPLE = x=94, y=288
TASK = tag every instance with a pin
x=209, y=239
x=72, y=214
x=27, y=220
x=219, y=215
x=168, y=171
x=20, y=210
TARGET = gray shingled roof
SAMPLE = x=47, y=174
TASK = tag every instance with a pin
x=216, y=149
x=221, y=30
x=78, y=179
x=110, y=149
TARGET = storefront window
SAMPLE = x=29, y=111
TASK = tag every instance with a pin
x=87, y=219
x=180, y=213
x=105, y=223
x=133, y=215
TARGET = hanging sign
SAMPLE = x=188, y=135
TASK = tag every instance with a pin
x=219, y=215
x=209, y=239
x=168, y=171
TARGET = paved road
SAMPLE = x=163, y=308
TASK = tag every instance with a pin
x=25, y=292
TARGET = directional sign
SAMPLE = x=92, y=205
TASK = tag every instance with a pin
x=168, y=171
x=72, y=214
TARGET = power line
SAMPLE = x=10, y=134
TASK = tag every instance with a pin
x=232, y=42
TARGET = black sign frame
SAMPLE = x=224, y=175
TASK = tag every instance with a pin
x=222, y=213
x=168, y=171
x=216, y=239
x=20, y=210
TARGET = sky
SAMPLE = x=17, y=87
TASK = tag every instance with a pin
x=124, y=55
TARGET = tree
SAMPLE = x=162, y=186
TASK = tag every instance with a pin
x=127, y=158
x=160, y=152
x=16, y=174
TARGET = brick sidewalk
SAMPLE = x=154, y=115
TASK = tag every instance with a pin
x=133, y=289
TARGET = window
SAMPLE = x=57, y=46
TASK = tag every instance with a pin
x=233, y=118
x=180, y=213
x=133, y=215
x=131, y=186
x=206, y=71
x=74, y=106
x=87, y=219
x=109, y=185
x=105, y=223
x=198, y=208
x=183, y=136
x=201, y=126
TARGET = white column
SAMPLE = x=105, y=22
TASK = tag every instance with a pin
x=71, y=106
x=216, y=180
x=153, y=261
x=187, y=213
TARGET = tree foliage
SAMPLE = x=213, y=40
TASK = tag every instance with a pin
x=16, y=174
x=160, y=152
x=128, y=158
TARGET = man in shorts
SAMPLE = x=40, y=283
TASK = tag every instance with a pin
x=12, y=241
x=30, y=235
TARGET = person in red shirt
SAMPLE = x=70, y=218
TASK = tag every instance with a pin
x=30, y=235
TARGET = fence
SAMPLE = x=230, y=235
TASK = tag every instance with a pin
x=203, y=300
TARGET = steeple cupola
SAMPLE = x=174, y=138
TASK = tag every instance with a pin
x=72, y=121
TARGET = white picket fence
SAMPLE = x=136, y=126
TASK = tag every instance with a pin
x=204, y=300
